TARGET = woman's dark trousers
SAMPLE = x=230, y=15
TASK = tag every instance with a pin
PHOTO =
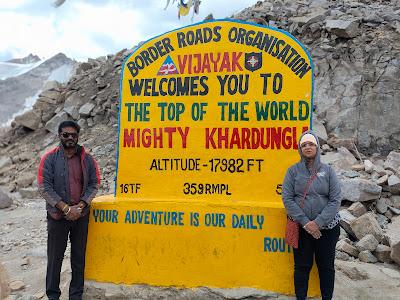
x=57, y=238
x=324, y=251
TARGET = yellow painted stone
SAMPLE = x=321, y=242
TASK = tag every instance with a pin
x=210, y=115
x=213, y=254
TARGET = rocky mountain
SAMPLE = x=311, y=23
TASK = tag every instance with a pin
x=8, y=69
x=28, y=77
x=355, y=48
x=30, y=59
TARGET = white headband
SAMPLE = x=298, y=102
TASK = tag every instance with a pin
x=308, y=137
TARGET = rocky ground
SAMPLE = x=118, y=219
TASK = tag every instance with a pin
x=23, y=256
x=355, y=49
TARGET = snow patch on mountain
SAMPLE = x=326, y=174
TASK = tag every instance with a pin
x=8, y=69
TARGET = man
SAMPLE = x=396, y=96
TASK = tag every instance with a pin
x=68, y=180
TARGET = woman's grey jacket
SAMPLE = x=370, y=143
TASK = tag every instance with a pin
x=323, y=197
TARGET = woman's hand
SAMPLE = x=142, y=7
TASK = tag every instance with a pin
x=313, y=229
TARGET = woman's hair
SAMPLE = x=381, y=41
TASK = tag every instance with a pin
x=68, y=123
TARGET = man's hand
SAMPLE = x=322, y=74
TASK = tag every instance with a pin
x=82, y=204
x=74, y=213
x=313, y=229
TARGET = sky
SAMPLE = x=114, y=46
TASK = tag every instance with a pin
x=91, y=28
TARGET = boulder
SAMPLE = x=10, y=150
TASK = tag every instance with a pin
x=72, y=104
x=368, y=242
x=358, y=167
x=82, y=123
x=31, y=119
x=340, y=160
x=325, y=148
x=366, y=224
x=382, y=253
x=347, y=155
x=368, y=166
x=343, y=234
x=319, y=130
x=390, y=16
x=25, y=156
x=16, y=285
x=389, y=214
x=367, y=256
x=393, y=236
x=310, y=18
x=5, y=200
x=51, y=85
x=342, y=28
x=395, y=201
x=380, y=170
x=43, y=103
x=393, y=161
x=345, y=220
x=382, y=180
x=5, y=161
x=86, y=109
x=351, y=174
x=353, y=272
x=344, y=246
x=394, y=184
x=358, y=189
x=46, y=108
x=394, y=210
x=52, y=124
x=382, y=220
x=29, y=193
x=51, y=94
x=25, y=180
x=342, y=255
x=381, y=205
x=83, y=67
x=357, y=209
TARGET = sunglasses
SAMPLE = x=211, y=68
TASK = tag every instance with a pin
x=66, y=135
x=307, y=144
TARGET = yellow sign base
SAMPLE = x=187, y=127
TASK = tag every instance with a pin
x=191, y=244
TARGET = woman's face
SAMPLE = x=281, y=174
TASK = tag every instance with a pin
x=309, y=150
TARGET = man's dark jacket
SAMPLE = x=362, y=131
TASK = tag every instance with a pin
x=53, y=179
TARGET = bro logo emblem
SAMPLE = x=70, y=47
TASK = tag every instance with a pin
x=253, y=61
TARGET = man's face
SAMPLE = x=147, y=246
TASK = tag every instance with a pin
x=69, y=137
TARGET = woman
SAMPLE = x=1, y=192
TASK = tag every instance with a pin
x=316, y=213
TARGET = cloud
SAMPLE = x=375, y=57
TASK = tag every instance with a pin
x=21, y=33
x=95, y=31
x=91, y=28
x=14, y=4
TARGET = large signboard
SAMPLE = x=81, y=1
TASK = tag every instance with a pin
x=212, y=112
x=210, y=116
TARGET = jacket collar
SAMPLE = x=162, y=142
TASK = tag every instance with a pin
x=80, y=150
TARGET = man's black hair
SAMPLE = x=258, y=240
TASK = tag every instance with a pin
x=68, y=123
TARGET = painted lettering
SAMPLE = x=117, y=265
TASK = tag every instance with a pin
x=252, y=138
x=273, y=244
x=105, y=215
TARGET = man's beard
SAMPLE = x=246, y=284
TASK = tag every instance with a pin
x=69, y=144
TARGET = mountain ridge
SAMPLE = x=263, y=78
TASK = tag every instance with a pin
x=17, y=93
x=29, y=59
